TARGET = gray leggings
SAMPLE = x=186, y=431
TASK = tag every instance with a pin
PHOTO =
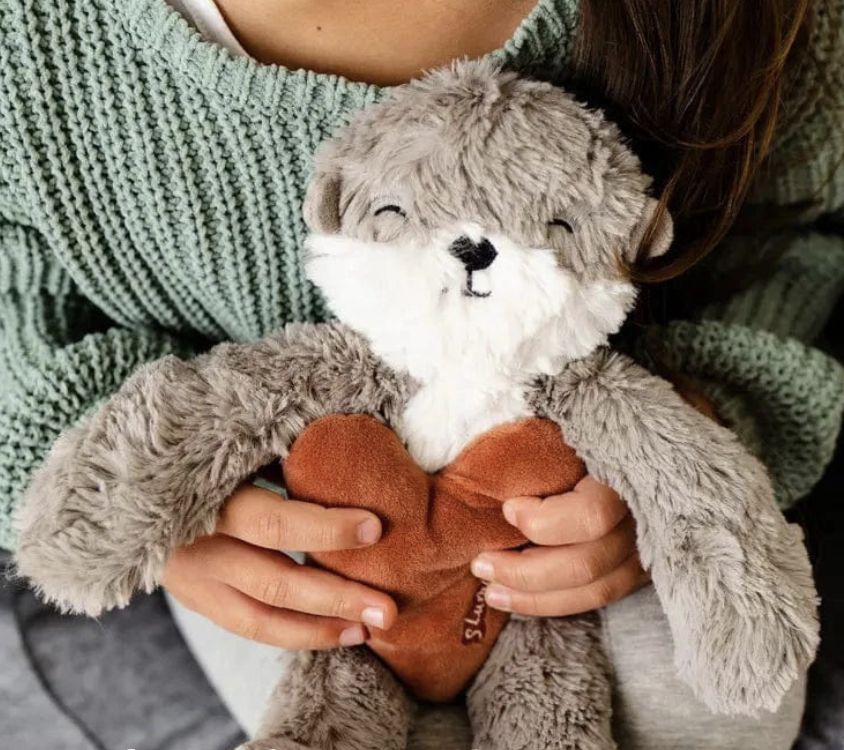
x=128, y=681
x=654, y=710
x=70, y=683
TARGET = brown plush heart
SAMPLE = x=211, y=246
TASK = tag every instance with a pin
x=434, y=526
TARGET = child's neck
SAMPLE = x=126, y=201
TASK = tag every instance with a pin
x=377, y=41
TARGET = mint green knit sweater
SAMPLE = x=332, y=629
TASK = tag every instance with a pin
x=150, y=196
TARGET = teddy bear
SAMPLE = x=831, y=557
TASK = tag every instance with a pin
x=473, y=233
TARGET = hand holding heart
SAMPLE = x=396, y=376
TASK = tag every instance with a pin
x=238, y=578
x=585, y=557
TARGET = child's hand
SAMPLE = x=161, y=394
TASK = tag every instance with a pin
x=586, y=556
x=239, y=579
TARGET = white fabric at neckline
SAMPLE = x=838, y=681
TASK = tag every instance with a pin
x=206, y=18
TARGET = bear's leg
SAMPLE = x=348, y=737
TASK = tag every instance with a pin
x=545, y=686
x=344, y=699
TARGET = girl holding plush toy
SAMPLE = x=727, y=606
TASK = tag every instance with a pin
x=156, y=208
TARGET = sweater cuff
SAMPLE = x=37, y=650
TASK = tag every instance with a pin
x=784, y=399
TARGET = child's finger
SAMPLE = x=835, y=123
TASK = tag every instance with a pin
x=539, y=569
x=280, y=582
x=238, y=613
x=587, y=513
x=263, y=518
x=619, y=583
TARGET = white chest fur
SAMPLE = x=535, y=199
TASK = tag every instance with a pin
x=473, y=351
x=446, y=415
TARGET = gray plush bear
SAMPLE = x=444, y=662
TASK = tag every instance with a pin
x=472, y=234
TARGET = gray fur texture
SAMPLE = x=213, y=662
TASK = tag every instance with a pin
x=545, y=685
x=336, y=700
x=732, y=575
x=151, y=469
x=400, y=150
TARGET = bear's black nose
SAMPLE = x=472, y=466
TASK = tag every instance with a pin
x=476, y=256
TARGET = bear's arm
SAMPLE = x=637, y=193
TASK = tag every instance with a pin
x=733, y=577
x=150, y=470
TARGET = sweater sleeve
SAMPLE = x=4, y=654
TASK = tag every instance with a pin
x=762, y=354
x=757, y=358
x=60, y=356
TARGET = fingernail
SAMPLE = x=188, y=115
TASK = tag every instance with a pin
x=498, y=597
x=369, y=531
x=352, y=636
x=374, y=616
x=482, y=568
x=510, y=512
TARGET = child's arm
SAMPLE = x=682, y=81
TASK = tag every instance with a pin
x=756, y=350
x=60, y=359
x=756, y=356
x=60, y=356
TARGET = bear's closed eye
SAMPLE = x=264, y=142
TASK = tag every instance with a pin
x=391, y=208
x=562, y=223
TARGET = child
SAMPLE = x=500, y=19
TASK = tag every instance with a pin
x=150, y=196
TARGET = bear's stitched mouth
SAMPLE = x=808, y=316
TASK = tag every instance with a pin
x=470, y=291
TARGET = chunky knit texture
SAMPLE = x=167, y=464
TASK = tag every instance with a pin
x=150, y=202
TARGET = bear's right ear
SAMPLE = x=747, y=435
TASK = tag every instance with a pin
x=322, y=201
x=656, y=220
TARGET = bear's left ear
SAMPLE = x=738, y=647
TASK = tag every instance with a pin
x=661, y=237
x=322, y=201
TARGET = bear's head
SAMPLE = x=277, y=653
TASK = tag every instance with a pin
x=474, y=218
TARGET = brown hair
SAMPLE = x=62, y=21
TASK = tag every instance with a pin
x=699, y=86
